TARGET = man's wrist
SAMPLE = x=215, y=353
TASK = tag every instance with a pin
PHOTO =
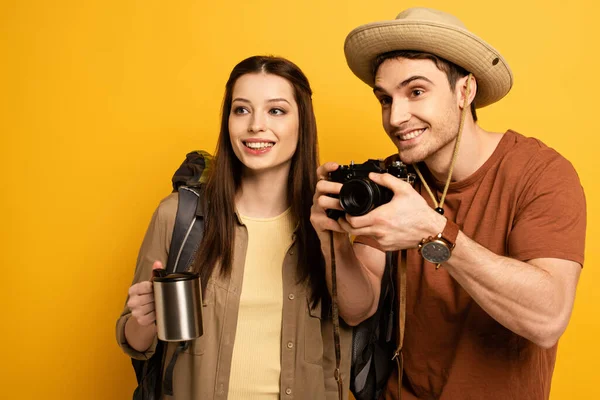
x=437, y=248
x=436, y=225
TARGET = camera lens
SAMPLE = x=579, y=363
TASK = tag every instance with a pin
x=359, y=196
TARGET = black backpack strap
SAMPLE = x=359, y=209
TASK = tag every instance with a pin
x=188, y=230
x=187, y=235
x=168, y=381
x=373, y=342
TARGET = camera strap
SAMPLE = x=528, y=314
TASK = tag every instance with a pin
x=336, y=320
x=398, y=356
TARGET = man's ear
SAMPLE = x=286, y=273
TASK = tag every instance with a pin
x=461, y=91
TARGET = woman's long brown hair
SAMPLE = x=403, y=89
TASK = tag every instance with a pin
x=216, y=249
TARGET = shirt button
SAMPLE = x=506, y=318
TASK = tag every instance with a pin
x=291, y=296
x=291, y=252
x=288, y=391
x=290, y=345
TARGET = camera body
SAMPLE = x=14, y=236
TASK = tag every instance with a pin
x=359, y=194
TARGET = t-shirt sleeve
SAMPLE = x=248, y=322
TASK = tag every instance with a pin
x=550, y=220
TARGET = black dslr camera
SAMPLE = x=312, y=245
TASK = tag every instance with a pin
x=359, y=194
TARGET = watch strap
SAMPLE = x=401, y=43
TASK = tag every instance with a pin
x=450, y=233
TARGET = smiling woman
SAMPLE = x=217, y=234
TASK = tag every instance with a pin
x=263, y=125
x=264, y=330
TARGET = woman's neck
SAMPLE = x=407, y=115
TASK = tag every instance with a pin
x=263, y=194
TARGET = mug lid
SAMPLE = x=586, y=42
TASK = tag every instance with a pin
x=177, y=276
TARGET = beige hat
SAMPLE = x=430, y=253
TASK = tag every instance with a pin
x=435, y=32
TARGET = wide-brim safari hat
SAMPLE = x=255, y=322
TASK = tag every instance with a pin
x=435, y=32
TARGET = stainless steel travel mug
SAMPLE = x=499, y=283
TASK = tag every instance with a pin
x=178, y=306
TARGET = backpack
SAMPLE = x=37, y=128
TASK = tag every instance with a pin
x=188, y=231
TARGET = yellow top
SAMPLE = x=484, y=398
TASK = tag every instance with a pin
x=256, y=362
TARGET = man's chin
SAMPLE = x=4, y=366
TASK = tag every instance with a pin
x=410, y=156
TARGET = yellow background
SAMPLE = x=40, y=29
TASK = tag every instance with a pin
x=100, y=100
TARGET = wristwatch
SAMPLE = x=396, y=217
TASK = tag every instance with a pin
x=438, y=249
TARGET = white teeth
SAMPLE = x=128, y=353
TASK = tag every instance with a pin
x=412, y=134
x=259, y=145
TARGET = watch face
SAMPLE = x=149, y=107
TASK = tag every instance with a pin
x=435, y=252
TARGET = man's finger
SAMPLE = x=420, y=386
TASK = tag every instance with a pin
x=324, y=170
x=330, y=224
x=359, y=222
x=329, y=203
x=325, y=186
x=391, y=182
x=365, y=231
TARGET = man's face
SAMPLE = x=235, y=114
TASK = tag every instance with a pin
x=420, y=112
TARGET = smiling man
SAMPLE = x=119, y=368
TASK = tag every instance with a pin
x=491, y=235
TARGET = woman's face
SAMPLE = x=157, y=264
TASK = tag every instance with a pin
x=264, y=122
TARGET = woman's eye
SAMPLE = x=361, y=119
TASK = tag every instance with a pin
x=417, y=92
x=276, y=111
x=240, y=110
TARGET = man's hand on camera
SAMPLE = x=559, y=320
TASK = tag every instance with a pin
x=322, y=202
x=400, y=224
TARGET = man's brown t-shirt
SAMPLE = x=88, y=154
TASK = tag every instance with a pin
x=525, y=202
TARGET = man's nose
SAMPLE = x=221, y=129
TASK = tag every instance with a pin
x=399, y=113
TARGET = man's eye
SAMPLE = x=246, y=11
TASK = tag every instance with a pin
x=417, y=92
x=385, y=101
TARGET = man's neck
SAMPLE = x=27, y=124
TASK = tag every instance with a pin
x=264, y=194
x=475, y=148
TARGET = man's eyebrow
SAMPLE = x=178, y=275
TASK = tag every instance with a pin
x=404, y=83
x=414, y=78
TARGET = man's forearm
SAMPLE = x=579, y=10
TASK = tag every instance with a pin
x=357, y=288
x=531, y=299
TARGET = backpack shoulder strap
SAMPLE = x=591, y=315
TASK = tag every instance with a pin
x=188, y=230
x=187, y=235
x=372, y=341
